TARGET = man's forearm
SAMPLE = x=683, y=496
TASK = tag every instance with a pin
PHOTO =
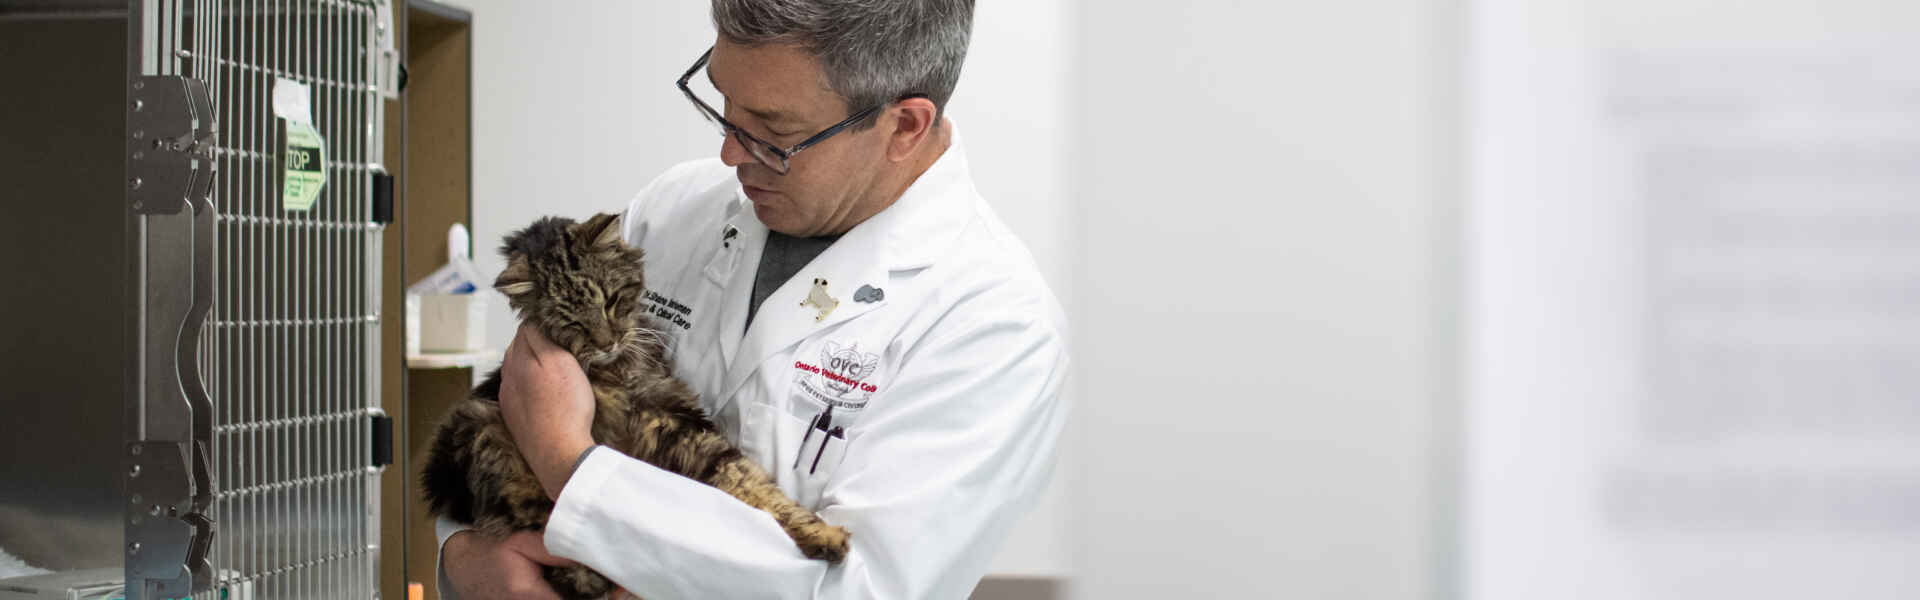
x=652, y=531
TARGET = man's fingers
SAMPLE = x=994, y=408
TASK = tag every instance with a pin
x=537, y=343
x=534, y=547
x=520, y=348
x=532, y=346
x=530, y=585
x=524, y=580
x=482, y=567
x=523, y=353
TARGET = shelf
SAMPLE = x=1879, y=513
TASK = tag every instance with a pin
x=450, y=360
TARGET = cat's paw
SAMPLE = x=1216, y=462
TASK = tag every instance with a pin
x=821, y=541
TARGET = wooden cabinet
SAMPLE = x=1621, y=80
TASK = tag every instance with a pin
x=430, y=140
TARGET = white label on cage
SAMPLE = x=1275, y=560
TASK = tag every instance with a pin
x=306, y=166
x=292, y=101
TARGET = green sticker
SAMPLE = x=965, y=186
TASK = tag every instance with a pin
x=306, y=166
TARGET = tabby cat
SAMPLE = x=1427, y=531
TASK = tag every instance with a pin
x=580, y=285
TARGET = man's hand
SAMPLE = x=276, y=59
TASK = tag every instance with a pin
x=483, y=568
x=548, y=406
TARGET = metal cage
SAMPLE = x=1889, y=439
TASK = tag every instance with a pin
x=251, y=470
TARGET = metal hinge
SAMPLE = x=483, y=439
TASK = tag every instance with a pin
x=170, y=142
x=171, y=164
x=168, y=533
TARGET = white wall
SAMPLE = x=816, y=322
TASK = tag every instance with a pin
x=1550, y=302
x=1260, y=189
x=575, y=110
x=1013, y=110
x=1573, y=197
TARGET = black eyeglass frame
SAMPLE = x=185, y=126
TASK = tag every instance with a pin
x=751, y=143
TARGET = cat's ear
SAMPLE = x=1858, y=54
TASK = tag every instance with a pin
x=517, y=279
x=601, y=230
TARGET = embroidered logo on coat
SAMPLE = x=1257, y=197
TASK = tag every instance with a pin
x=841, y=378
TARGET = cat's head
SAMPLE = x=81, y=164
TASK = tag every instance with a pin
x=580, y=285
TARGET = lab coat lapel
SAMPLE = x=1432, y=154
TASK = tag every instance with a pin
x=910, y=234
x=855, y=260
x=733, y=269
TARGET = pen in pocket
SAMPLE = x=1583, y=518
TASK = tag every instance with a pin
x=820, y=422
x=836, y=433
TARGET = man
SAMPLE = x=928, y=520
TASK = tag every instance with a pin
x=852, y=313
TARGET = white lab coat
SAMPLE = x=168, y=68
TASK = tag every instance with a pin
x=947, y=382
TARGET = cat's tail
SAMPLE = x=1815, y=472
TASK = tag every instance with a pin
x=444, y=481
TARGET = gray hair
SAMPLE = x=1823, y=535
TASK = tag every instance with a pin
x=873, y=51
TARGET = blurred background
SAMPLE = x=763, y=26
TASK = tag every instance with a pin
x=1489, y=299
x=1393, y=299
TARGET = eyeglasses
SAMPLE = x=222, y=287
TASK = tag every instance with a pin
x=768, y=154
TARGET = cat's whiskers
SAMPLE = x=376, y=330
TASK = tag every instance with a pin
x=637, y=340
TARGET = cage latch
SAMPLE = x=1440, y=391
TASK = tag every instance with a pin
x=382, y=195
x=381, y=427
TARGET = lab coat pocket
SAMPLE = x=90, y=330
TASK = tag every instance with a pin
x=818, y=460
x=801, y=457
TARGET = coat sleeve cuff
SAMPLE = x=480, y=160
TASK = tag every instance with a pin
x=444, y=528
x=577, y=461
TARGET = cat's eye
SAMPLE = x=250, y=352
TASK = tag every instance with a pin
x=628, y=295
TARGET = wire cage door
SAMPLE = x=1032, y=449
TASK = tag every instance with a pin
x=254, y=153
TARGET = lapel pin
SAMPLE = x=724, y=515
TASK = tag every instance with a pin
x=868, y=293
x=819, y=300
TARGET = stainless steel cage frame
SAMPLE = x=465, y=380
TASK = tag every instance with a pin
x=249, y=464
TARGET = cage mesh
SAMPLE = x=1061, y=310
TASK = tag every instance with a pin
x=292, y=352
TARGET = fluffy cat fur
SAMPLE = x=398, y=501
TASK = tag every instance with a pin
x=581, y=286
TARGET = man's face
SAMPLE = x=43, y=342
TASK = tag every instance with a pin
x=779, y=94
